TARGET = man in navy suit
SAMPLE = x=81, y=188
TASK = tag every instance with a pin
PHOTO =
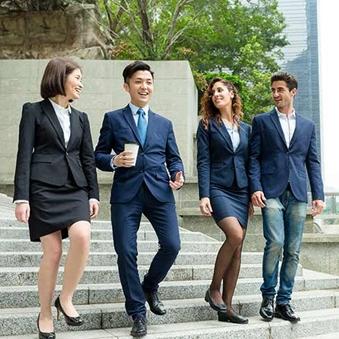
x=282, y=149
x=145, y=187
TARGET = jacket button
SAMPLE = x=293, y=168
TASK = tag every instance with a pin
x=66, y=153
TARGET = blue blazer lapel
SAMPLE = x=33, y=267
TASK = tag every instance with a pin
x=150, y=127
x=296, y=131
x=242, y=136
x=51, y=115
x=223, y=131
x=128, y=115
x=276, y=123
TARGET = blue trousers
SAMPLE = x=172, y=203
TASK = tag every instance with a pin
x=125, y=224
x=283, y=221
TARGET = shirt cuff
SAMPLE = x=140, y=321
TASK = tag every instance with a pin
x=112, y=164
x=21, y=202
x=94, y=200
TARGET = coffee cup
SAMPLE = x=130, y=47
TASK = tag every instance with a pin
x=133, y=148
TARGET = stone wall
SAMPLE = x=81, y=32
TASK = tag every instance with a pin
x=175, y=96
x=45, y=34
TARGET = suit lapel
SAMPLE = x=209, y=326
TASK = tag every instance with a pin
x=75, y=126
x=242, y=135
x=127, y=113
x=150, y=125
x=223, y=131
x=276, y=123
x=296, y=131
x=51, y=115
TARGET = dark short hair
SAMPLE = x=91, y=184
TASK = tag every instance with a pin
x=55, y=74
x=135, y=67
x=290, y=80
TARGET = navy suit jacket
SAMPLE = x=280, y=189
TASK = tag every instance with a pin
x=218, y=164
x=158, y=160
x=273, y=165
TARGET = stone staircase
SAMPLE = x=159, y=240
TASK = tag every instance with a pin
x=101, y=303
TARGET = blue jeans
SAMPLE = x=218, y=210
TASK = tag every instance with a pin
x=283, y=221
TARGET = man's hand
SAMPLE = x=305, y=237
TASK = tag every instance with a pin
x=317, y=207
x=178, y=181
x=22, y=211
x=205, y=207
x=124, y=159
x=258, y=199
x=93, y=208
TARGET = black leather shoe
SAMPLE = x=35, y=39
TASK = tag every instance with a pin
x=155, y=305
x=44, y=335
x=216, y=307
x=71, y=321
x=232, y=317
x=267, y=309
x=286, y=312
x=139, y=328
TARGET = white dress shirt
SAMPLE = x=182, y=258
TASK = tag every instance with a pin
x=287, y=123
x=233, y=132
x=64, y=116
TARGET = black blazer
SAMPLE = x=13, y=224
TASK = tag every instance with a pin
x=218, y=164
x=43, y=156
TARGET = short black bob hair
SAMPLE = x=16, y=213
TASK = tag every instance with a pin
x=55, y=75
x=135, y=67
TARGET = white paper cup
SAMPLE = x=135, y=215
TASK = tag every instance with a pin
x=134, y=148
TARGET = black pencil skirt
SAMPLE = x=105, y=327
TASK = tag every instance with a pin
x=55, y=208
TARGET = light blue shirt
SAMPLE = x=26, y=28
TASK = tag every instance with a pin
x=233, y=132
x=134, y=110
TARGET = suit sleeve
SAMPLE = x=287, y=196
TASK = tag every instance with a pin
x=24, y=154
x=87, y=160
x=314, y=170
x=173, y=160
x=103, y=151
x=203, y=161
x=254, y=168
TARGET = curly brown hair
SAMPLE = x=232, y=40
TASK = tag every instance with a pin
x=208, y=109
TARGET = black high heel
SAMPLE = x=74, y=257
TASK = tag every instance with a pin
x=44, y=335
x=71, y=321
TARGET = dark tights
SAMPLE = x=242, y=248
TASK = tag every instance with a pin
x=227, y=263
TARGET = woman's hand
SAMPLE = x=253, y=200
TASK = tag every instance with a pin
x=22, y=211
x=205, y=207
x=93, y=208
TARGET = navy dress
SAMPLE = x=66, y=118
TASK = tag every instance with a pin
x=222, y=170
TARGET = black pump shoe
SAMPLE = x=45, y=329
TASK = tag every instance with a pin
x=71, y=321
x=44, y=335
x=216, y=307
x=232, y=317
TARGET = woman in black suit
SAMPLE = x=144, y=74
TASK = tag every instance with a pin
x=222, y=174
x=56, y=189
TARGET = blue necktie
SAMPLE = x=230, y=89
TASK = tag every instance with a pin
x=142, y=125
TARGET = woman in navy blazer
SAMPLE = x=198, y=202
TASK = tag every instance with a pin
x=223, y=186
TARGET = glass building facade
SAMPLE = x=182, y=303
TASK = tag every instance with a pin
x=301, y=55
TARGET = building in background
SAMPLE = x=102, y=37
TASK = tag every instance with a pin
x=301, y=56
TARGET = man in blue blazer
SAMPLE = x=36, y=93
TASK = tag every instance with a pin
x=145, y=187
x=282, y=150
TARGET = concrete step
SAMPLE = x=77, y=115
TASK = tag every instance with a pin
x=12, y=245
x=256, y=329
x=31, y=259
x=102, y=234
x=23, y=320
x=27, y=276
x=27, y=296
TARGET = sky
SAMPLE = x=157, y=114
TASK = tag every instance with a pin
x=328, y=29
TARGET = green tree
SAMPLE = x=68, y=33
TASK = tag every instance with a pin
x=237, y=37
